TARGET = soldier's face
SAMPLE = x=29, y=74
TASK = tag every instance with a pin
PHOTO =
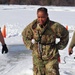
x=42, y=17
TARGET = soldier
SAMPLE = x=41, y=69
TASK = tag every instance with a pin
x=40, y=37
x=4, y=46
x=72, y=44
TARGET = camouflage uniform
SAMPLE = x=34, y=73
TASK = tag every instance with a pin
x=72, y=44
x=46, y=62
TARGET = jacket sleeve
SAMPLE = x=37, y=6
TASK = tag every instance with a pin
x=63, y=34
x=72, y=44
x=27, y=36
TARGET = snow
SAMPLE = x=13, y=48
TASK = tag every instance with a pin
x=18, y=61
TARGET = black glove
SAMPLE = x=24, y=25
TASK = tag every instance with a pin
x=4, y=49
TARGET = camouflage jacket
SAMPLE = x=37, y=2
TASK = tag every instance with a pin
x=72, y=44
x=48, y=35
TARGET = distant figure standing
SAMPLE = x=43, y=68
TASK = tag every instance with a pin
x=72, y=44
x=40, y=36
x=4, y=47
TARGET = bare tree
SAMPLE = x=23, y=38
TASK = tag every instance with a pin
x=40, y=2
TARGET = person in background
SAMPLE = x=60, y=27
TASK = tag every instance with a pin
x=72, y=44
x=4, y=46
x=40, y=37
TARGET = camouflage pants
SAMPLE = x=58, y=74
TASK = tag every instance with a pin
x=46, y=67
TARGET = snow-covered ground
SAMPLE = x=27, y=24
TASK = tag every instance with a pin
x=19, y=60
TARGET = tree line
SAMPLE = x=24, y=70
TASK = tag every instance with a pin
x=40, y=2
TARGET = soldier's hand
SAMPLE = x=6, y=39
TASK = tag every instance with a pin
x=70, y=51
x=4, y=49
